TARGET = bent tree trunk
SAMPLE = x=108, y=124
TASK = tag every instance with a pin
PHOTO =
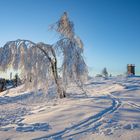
x=53, y=62
x=60, y=89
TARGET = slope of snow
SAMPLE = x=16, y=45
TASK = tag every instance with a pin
x=108, y=110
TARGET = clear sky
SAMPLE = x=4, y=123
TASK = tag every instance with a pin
x=110, y=29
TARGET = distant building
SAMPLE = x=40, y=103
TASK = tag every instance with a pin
x=131, y=69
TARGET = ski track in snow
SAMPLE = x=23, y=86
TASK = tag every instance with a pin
x=92, y=123
x=87, y=125
x=134, y=105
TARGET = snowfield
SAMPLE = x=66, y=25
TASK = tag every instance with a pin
x=108, y=110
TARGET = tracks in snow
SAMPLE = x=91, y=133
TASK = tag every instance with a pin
x=134, y=105
x=87, y=125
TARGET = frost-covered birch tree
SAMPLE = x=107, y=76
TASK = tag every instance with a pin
x=36, y=62
x=73, y=67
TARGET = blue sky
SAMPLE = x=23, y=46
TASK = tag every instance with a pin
x=110, y=29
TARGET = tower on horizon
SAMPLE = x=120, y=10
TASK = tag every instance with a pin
x=131, y=69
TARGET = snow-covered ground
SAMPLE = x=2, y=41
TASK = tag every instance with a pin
x=109, y=110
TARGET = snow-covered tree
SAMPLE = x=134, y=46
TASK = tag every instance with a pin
x=17, y=80
x=104, y=72
x=73, y=65
x=36, y=62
